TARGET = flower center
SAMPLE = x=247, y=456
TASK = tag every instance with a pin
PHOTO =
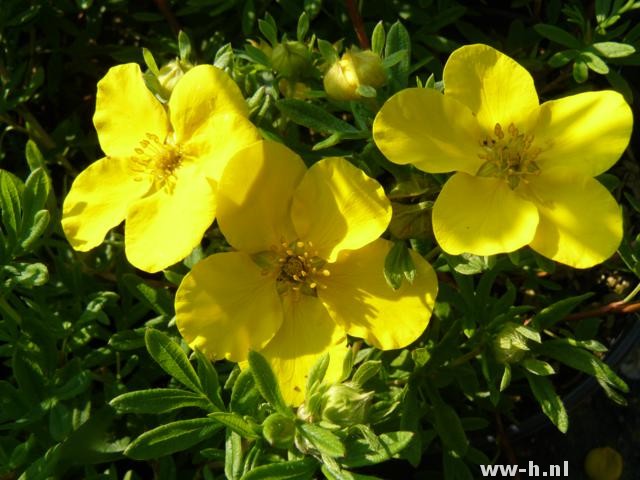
x=159, y=159
x=508, y=155
x=300, y=268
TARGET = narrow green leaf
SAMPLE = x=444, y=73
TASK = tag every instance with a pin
x=378, y=38
x=172, y=437
x=36, y=191
x=34, y=156
x=291, y=470
x=317, y=372
x=172, y=359
x=233, y=455
x=303, y=26
x=580, y=70
x=269, y=31
x=537, y=367
x=560, y=59
x=549, y=316
x=398, y=265
x=267, y=383
x=209, y=379
x=10, y=203
x=312, y=116
x=595, y=63
x=557, y=35
x=614, y=49
x=159, y=400
x=244, y=395
x=398, y=39
x=449, y=428
x=360, y=454
x=506, y=378
x=35, y=230
x=150, y=61
x=366, y=371
x=184, y=46
x=328, y=51
x=549, y=400
x=327, y=442
x=156, y=298
x=236, y=423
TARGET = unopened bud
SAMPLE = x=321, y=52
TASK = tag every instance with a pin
x=345, y=405
x=279, y=430
x=354, y=69
x=169, y=76
x=290, y=58
x=603, y=464
x=291, y=89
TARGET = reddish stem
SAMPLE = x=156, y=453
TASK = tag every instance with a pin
x=171, y=19
x=358, y=24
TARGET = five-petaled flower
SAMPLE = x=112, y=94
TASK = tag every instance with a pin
x=524, y=171
x=307, y=271
x=161, y=169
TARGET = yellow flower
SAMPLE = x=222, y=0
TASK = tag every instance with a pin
x=307, y=271
x=524, y=171
x=161, y=169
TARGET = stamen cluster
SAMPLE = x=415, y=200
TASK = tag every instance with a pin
x=158, y=159
x=508, y=155
x=300, y=266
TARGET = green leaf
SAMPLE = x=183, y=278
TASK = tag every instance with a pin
x=317, y=372
x=291, y=470
x=580, y=70
x=159, y=400
x=506, y=378
x=156, y=298
x=236, y=423
x=555, y=312
x=549, y=400
x=366, y=371
x=34, y=156
x=267, y=383
x=360, y=453
x=10, y=203
x=378, y=38
x=579, y=359
x=557, y=35
x=172, y=437
x=35, y=194
x=35, y=230
x=455, y=468
x=233, y=455
x=303, y=26
x=325, y=441
x=313, y=117
x=560, y=59
x=595, y=63
x=328, y=51
x=398, y=265
x=449, y=428
x=537, y=367
x=172, y=359
x=209, y=379
x=398, y=39
x=269, y=31
x=150, y=61
x=184, y=46
x=614, y=49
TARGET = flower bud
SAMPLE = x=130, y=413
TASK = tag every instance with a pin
x=345, y=405
x=354, y=69
x=290, y=58
x=169, y=76
x=279, y=430
x=289, y=89
x=510, y=345
x=603, y=464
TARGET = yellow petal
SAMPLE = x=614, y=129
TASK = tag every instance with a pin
x=358, y=297
x=429, y=130
x=203, y=91
x=306, y=333
x=225, y=306
x=254, y=196
x=337, y=206
x=580, y=222
x=217, y=140
x=586, y=132
x=483, y=216
x=165, y=227
x=126, y=111
x=495, y=87
x=98, y=201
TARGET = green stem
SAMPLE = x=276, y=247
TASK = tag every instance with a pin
x=633, y=293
